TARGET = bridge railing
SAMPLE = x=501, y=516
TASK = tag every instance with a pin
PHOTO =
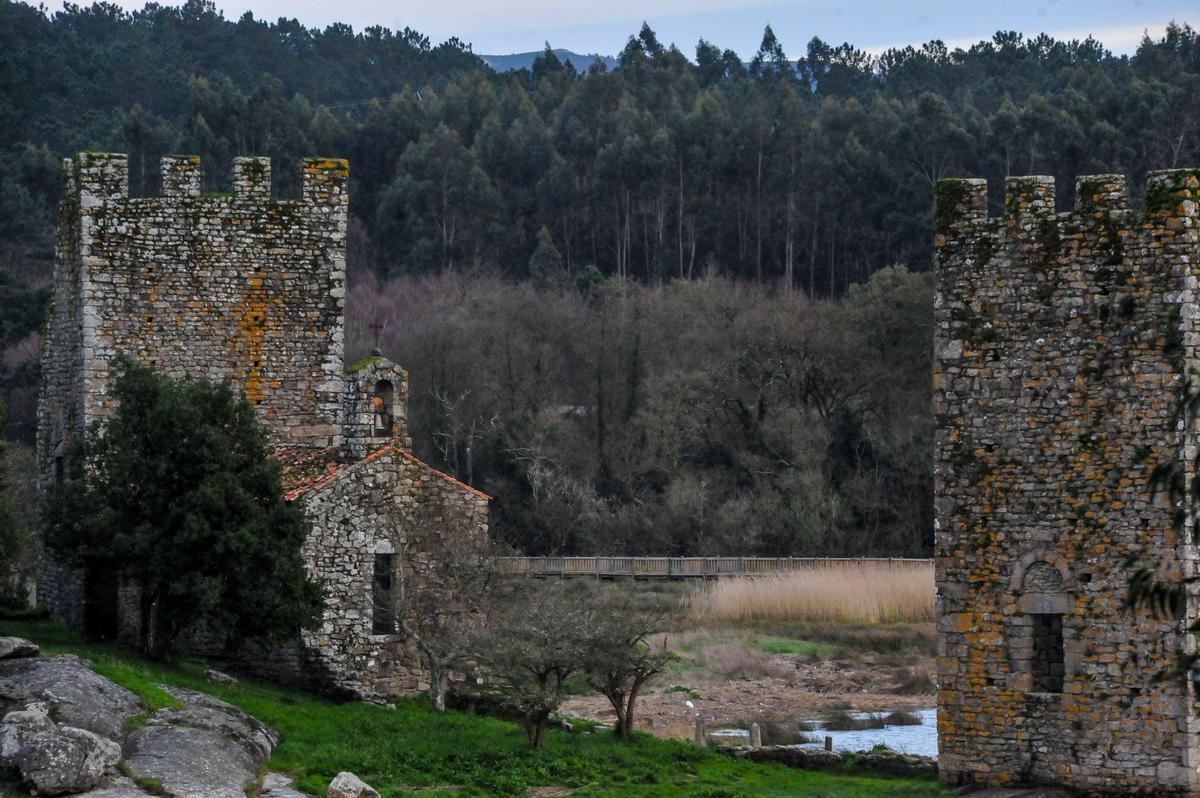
x=687, y=567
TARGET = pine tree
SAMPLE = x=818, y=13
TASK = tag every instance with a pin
x=546, y=266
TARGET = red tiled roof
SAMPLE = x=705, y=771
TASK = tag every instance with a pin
x=307, y=469
x=443, y=475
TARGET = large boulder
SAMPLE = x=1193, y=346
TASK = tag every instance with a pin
x=208, y=749
x=67, y=760
x=54, y=759
x=15, y=647
x=74, y=694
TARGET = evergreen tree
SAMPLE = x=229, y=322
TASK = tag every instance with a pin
x=770, y=61
x=178, y=495
x=546, y=265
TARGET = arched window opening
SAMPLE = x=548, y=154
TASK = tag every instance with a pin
x=1037, y=644
x=381, y=408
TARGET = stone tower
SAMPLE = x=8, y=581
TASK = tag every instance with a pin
x=1062, y=343
x=236, y=286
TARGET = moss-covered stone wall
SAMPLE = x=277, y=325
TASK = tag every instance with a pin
x=1062, y=340
x=236, y=286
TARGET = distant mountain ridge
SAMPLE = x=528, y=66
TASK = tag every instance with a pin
x=507, y=63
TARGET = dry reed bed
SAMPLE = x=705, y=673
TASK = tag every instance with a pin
x=838, y=592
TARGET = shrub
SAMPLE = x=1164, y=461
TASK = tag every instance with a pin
x=902, y=719
x=177, y=495
x=843, y=721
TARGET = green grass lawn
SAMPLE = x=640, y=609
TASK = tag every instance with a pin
x=412, y=750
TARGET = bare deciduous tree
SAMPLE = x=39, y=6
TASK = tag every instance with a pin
x=621, y=655
x=444, y=598
x=534, y=641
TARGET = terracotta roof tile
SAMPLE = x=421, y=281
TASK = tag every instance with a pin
x=304, y=468
x=307, y=469
x=443, y=475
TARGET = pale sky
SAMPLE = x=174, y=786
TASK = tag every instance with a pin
x=603, y=27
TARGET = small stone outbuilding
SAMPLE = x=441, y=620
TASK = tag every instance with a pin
x=1066, y=350
x=251, y=289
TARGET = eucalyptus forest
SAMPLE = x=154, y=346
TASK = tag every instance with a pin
x=682, y=306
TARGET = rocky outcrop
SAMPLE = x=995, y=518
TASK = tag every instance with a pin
x=14, y=647
x=74, y=695
x=208, y=749
x=116, y=786
x=63, y=721
x=54, y=759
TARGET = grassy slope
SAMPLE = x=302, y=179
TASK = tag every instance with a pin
x=410, y=748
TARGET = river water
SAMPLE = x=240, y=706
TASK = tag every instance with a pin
x=913, y=739
x=907, y=739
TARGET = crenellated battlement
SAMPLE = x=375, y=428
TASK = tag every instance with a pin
x=1049, y=252
x=104, y=177
x=962, y=204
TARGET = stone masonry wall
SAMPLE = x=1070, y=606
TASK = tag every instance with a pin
x=385, y=503
x=60, y=399
x=245, y=288
x=1061, y=343
x=236, y=286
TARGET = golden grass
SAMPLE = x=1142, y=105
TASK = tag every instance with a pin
x=848, y=592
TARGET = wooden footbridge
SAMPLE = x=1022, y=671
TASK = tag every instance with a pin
x=687, y=567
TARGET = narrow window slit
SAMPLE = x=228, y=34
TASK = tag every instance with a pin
x=383, y=614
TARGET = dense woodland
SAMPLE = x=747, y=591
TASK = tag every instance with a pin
x=650, y=308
